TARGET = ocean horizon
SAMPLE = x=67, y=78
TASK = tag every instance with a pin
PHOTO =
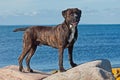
x=95, y=41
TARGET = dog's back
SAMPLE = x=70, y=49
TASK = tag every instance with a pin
x=41, y=35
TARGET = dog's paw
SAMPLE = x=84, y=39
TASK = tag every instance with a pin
x=73, y=65
x=62, y=70
x=29, y=70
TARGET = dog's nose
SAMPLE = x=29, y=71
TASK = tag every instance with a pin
x=75, y=15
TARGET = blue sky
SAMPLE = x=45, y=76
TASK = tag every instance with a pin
x=38, y=12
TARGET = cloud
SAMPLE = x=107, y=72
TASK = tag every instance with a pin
x=34, y=13
x=18, y=13
x=101, y=12
x=111, y=11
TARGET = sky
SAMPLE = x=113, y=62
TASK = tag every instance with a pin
x=45, y=12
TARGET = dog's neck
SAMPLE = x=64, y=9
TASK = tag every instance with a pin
x=71, y=26
x=72, y=35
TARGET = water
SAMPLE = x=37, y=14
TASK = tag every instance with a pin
x=94, y=42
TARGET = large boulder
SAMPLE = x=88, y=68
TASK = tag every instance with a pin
x=95, y=70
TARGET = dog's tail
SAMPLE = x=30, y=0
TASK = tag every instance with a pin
x=20, y=29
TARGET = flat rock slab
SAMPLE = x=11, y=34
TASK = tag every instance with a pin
x=12, y=73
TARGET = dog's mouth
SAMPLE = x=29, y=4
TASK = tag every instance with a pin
x=74, y=24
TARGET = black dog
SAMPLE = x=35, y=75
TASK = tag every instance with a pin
x=62, y=36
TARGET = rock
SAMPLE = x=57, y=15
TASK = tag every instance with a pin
x=116, y=73
x=95, y=70
x=12, y=73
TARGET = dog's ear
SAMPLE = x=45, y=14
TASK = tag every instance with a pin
x=64, y=13
x=79, y=11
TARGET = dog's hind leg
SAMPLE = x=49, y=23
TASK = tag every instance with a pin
x=26, y=49
x=30, y=54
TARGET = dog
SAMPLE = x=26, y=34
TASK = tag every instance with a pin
x=61, y=36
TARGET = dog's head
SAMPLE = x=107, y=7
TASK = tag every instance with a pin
x=72, y=16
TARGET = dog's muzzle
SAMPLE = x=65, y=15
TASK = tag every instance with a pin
x=75, y=20
x=74, y=24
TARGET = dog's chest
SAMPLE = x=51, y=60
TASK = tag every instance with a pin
x=72, y=34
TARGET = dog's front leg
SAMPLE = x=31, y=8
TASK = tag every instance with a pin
x=70, y=50
x=61, y=68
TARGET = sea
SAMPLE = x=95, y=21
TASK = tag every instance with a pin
x=95, y=41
